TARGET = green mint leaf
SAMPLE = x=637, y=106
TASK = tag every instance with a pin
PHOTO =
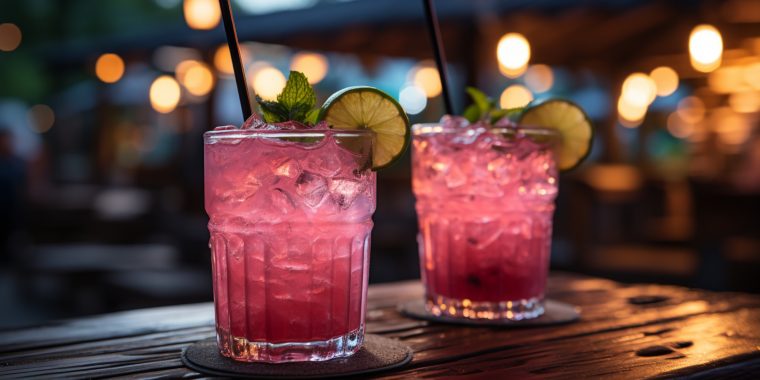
x=273, y=112
x=297, y=95
x=481, y=100
x=511, y=113
x=472, y=113
x=312, y=116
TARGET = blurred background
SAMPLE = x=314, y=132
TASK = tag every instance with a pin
x=103, y=105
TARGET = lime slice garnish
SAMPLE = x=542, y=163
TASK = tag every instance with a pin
x=369, y=108
x=571, y=122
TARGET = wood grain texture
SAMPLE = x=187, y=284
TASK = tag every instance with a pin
x=626, y=331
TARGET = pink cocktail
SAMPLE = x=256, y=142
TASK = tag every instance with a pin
x=485, y=200
x=290, y=220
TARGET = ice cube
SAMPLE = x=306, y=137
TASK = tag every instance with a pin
x=327, y=164
x=344, y=191
x=451, y=121
x=455, y=177
x=281, y=201
x=311, y=188
x=484, y=233
x=254, y=122
x=250, y=185
x=286, y=167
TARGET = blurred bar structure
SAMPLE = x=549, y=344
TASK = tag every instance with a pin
x=102, y=107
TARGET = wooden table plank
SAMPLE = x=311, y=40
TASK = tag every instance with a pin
x=629, y=331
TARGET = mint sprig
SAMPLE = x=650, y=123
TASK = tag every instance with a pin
x=485, y=108
x=296, y=102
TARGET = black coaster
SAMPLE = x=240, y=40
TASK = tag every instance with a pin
x=555, y=313
x=377, y=354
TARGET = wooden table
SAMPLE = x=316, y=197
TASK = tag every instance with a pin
x=628, y=331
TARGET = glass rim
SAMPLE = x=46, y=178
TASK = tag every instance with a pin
x=284, y=133
x=529, y=130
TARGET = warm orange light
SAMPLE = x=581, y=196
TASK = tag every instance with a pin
x=678, y=127
x=732, y=128
x=313, y=65
x=752, y=75
x=42, y=118
x=727, y=79
x=202, y=14
x=513, y=53
x=425, y=76
x=223, y=62
x=539, y=78
x=512, y=73
x=164, y=94
x=691, y=109
x=198, y=79
x=10, y=37
x=109, y=68
x=515, y=96
x=267, y=82
x=705, y=48
x=665, y=80
x=745, y=102
x=639, y=90
x=630, y=115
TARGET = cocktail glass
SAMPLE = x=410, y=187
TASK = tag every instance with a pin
x=485, y=200
x=290, y=220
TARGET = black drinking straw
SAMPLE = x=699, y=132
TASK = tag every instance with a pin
x=434, y=31
x=237, y=61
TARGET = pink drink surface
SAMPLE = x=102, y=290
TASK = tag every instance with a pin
x=290, y=230
x=485, y=202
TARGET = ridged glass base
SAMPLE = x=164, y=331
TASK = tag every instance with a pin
x=512, y=310
x=242, y=350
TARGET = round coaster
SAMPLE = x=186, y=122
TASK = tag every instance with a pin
x=377, y=354
x=555, y=313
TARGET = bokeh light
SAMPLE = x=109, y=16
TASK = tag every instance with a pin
x=109, y=68
x=678, y=127
x=515, y=96
x=164, y=94
x=195, y=76
x=731, y=128
x=745, y=102
x=539, y=78
x=425, y=76
x=691, y=109
x=412, y=99
x=513, y=54
x=705, y=48
x=10, y=37
x=727, y=79
x=41, y=118
x=313, y=65
x=665, y=80
x=202, y=14
x=630, y=115
x=267, y=81
x=752, y=75
x=639, y=90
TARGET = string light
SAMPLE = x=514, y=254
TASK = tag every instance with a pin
x=513, y=54
x=639, y=90
x=267, y=81
x=202, y=14
x=515, y=96
x=425, y=76
x=539, y=78
x=42, y=118
x=705, y=48
x=10, y=37
x=313, y=65
x=109, y=68
x=164, y=94
x=665, y=80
